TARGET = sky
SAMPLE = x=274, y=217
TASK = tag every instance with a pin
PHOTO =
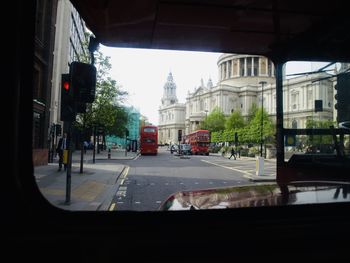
x=143, y=73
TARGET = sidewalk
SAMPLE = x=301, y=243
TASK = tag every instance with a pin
x=91, y=190
x=252, y=177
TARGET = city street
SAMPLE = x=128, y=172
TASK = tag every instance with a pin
x=149, y=180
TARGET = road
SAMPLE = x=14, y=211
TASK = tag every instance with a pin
x=149, y=180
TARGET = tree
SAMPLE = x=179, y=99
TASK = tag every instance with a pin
x=105, y=110
x=235, y=121
x=254, y=127
x=252, y=112
x=215, y=121
x=319, y=139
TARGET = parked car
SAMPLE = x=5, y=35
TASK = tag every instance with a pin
x=185, y=149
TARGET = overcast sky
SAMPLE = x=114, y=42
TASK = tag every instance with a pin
x=143, y=73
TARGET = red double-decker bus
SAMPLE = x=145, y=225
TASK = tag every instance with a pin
x=199, y=141
x=149, y=139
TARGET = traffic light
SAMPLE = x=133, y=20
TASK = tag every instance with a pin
x=343, y=97
x=67, y=99
x=179, y=135
x=83, y=81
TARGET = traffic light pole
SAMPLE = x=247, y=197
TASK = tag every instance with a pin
x=69, y=164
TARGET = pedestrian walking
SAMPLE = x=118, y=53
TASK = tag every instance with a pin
x=232, y=153
x=61, y=146
x=86, y=145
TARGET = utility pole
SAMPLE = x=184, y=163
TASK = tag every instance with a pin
x=262, y=117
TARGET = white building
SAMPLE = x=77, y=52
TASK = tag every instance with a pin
x=171, y=114
x=237, y=89
x=69, y=41
x=243, y=81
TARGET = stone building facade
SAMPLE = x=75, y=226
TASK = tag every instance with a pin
x=171, y=114
x=245, y=80
x=237, y=88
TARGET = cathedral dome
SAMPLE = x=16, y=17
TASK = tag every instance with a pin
x=239, y=67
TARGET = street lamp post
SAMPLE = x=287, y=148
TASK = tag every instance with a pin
x=262, y=117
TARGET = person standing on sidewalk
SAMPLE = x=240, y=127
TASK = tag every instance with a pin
x=61, y=146
x=86, y=145
x=232, y=153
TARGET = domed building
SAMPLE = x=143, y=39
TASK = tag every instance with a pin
x=245, y=80
x=239, y=86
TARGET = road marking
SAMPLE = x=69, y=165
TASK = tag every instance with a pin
x=137, y=202
x=227, y=167
x=125, y=172
x=121, y=193
x=158, y=202
x=196, y=183
x=111, y=208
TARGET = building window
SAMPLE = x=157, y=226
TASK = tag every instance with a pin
x=263, y=66
x=234, y=68
x=229, y=69
x=249, y=66
x=223, y=73
x=241, y=66
x=294, y=100
x=256, y=66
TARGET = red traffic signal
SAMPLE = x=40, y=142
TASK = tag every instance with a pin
x=68, y=111
x=66, y=85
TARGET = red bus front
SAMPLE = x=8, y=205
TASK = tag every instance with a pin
x=149, y=140
x=199, y=141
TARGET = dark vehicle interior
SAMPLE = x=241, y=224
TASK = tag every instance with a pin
x=282, y=30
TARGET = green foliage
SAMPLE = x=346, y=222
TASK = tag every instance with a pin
x=249, y=133
x=215, y=121
x=255, y=128
x=235, y=121
x=319, y=139
x=105, y=110
x=215, y=136
x=252, y=112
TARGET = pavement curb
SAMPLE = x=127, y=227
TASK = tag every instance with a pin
x=260, y=178
x=109, y=196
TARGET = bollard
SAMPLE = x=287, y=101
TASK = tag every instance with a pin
x=109, y=153
x=259, y=166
